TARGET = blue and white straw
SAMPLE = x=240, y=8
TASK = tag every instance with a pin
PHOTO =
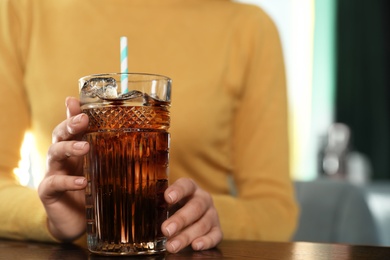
x=124, y=68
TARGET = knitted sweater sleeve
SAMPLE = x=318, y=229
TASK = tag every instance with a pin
x=22, y=215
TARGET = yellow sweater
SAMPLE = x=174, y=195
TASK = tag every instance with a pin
x=229, y=107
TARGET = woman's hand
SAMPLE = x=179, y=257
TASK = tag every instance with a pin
x=62, y=189
x=196, y=222
x=62, y=193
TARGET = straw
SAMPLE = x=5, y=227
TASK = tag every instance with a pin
x=124, y=68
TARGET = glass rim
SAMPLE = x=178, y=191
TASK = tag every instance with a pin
x=99, y=75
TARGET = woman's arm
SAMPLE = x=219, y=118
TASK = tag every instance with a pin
x=264, y=207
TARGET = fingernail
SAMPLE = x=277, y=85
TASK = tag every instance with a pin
x=171, y=228
x=67, y=108
x=77, y=119
x=79, y=181
x=79, y=145
x=173, y=196
x=175, y=245
x=66, y=101
x=199, y=246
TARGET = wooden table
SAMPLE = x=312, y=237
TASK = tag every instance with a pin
x=226, y=250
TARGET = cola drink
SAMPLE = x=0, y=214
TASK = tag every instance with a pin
x=127, y=166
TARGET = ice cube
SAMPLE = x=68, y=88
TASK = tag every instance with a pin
x=108, y=92
x=102, y=87
x=133, y=94
x=154, y=100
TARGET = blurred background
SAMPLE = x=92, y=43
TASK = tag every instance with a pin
x=337, y=64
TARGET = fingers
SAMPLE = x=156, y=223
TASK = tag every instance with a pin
x=56, y=184
x=64, y=200
x=210, y=240
x=58, y=152
x=196, y=223
x=62, y=189
x=70, y=128
x=74, y=125
x=179, y=190
x=203, y=234
x=188, y=214
x=66, y=140
x=72, y=107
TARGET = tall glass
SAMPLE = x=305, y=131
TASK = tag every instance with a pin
x=127, y=165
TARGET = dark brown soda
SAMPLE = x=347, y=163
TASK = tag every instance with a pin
x=127, y=172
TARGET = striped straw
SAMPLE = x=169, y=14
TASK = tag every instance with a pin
x=124, y=69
